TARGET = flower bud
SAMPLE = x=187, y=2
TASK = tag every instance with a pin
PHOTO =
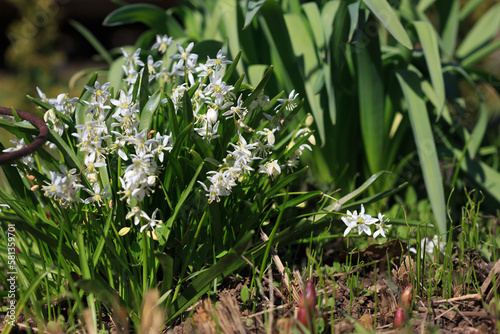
x=399, y=318
x=406, y=297
x=307, y=306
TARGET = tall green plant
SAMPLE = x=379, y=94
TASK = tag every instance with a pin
x=352, y=60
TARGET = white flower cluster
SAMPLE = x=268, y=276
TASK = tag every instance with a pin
x=100, y=134
x=63, y=186
x=362, y=221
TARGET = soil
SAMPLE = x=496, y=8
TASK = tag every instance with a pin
x=360, y=298
x=353, y=299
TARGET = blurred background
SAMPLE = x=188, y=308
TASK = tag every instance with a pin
x=40, y=47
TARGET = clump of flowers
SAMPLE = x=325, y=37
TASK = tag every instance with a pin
x=362, y=223
x=110, y=131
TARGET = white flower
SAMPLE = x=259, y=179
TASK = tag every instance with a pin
x=185, y=56
x=4, y=205
x=271, y=168
x=360, y=221
x=288, y=102
x=381, y=228
x=238, y=110
x=212, y=115
x=163, y=143
x=218, y=61
x=269, y=135
x=162, y=42
x=96, y=195
x=152, y=65
x=136, y=213
x=133, y=58
x=99, y=92
x=19, y=144
x=430, y=245
x=151, y=221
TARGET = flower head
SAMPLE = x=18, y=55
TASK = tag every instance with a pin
x=381, y=227
x=162, y=42
x=360, y=221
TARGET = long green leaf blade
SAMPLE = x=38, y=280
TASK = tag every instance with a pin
x=148, y=110
x=426, y=147
x=428, y=39
x=151, y=15
x=483, y=31
x=386, y=14
x=371, y=101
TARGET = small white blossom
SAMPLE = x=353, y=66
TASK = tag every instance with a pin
x=151, y=221
x=271, y=168
x=381, y=227
x=360, y=221
x=162, y=42
x=288, y=102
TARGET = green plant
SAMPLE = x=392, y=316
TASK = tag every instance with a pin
x=158, y=181
x=374, y=73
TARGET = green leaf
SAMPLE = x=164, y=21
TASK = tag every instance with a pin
x=207, y=48
x=151, y=15
x=253, y=8
x=282, y=183
x=144, y=87
x=103, y=292
x=371, y=99
x=428, y=39
x=115, y=73
x=424, y=4
x=477, y=134
x=313, y=16
x=310, y=69
x=70, y=157
x=353, y=9
x=481, y=53
x=355, y=193
x=328, y=15
x=201, y=284
x=148, y=111
x=40, y=103
x=426, y=147
x=483, y=31
x=231, y=68
x=245, y=293
x=485, y=176
x=92, y=40
x=255, y=73
x=469, y=7
x=187, y=108
x=185, y=193
x=386, y=14
x=259, y=89
x=449, y=20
